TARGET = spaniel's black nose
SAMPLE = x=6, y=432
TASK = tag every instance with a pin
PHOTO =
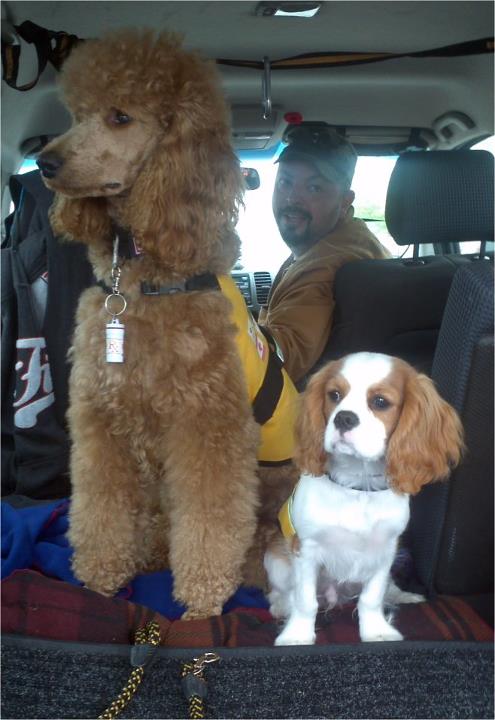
x=49, y=163
x=345, y=420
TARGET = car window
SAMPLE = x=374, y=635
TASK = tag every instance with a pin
x=473, y=246
x=27, y=166
x=262, y=246
x=486, y=144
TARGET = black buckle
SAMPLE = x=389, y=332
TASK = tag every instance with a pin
x=149, y=289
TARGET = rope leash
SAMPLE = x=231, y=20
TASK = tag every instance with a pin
x=194, y=684
x=145, y=644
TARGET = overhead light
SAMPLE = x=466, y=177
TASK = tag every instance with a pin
x=288, y=9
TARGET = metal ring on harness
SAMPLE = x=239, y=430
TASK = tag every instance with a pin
x=124, y=304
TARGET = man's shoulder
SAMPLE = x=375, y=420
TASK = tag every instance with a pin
x=353, y=238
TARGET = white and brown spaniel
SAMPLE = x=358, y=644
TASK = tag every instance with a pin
x=372, y=432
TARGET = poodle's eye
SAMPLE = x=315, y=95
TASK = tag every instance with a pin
x=378, y=402
x=334, y=396
x=117, y=117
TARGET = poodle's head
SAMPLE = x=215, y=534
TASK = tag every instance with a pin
x=149, y=147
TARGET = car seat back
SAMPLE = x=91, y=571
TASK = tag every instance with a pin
x=451, y=530
x=396, y=306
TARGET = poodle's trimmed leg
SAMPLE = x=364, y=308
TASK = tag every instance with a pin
x=103, y=511
x=213, y=493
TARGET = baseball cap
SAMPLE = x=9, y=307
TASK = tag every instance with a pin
x=320, y=144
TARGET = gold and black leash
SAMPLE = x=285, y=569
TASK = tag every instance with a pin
x=146, y=642
x=194, y=684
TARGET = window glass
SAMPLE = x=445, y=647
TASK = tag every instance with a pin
x=26, y=166
x=486, y=144
x=370, y=184
x=473, y=246
x=262, y=246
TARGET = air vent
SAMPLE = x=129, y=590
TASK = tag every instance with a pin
x=244, y=285
x=263, y=283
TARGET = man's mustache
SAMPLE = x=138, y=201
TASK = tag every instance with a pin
x=288, y=209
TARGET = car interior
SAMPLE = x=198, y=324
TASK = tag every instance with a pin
x=411, y=85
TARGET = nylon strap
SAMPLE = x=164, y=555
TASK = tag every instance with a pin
x=330, y=59
x=268, y=395
x=206, y=281
x=51, y=46
x=55, y=47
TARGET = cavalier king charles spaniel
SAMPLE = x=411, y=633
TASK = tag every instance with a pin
x=371, y=432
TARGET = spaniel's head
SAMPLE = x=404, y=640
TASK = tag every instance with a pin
x=372, y=406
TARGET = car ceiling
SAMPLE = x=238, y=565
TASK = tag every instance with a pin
x=399, y=93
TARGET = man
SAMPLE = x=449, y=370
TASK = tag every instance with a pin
x=312, y=205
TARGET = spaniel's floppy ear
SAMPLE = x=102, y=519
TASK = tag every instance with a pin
x=81, y=219
x=310, y=455
x=428, y=440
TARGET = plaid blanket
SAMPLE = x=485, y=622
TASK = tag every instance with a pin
x=41, y=607
x=35, y=538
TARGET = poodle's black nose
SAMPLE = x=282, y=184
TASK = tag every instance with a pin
x=345, y=420
x=49, y=163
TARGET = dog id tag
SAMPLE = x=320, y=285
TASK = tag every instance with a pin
x=115, y=341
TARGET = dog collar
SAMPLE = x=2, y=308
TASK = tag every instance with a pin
x=206, y=281
x=358, y=489
x=285, y=514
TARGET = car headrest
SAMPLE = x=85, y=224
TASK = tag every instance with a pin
x=441, y=196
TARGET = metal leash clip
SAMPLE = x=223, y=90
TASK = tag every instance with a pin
x=194, y=684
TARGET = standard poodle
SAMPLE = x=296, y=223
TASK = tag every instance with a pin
x=164, y=441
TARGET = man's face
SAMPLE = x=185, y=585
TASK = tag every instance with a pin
x=306, y=205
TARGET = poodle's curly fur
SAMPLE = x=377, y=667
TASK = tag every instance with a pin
x=163, y=468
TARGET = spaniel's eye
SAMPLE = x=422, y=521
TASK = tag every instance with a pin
x=334, y=396
x=379, y=403
x=118, y=117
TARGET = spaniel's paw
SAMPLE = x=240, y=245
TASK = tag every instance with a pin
x=396, y=596
x=288, y=639
x=298, y=631
x=384, y=634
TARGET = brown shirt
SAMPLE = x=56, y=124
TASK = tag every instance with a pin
x=300, y=306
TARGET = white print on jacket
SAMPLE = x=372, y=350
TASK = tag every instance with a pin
x=38, y=392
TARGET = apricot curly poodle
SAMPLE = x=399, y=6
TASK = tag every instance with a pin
x=164, y=444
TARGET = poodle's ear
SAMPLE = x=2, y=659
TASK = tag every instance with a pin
x=310, y=455
x=81, y=219
x=428, y=439
x=193, y=179
x=198, y=189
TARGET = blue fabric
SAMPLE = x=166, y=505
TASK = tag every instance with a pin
x=35, y=537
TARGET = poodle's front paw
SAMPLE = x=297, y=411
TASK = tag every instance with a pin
x=102, y=578
x=203, y=594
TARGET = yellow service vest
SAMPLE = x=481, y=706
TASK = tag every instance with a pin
x=285, y=517
x=261, y=366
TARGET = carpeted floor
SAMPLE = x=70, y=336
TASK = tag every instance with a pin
x=45, y=679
